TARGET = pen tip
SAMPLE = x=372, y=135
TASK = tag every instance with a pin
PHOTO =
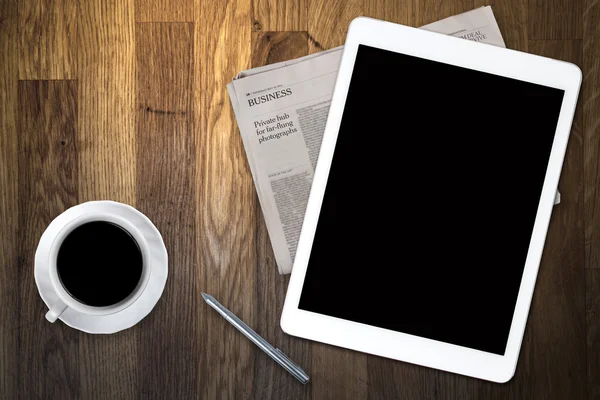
x=205, y=296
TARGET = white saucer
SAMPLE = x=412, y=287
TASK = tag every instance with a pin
x=142, y=306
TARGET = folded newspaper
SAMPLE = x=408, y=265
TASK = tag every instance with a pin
x=281, y=110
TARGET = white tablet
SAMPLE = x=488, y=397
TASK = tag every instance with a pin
x=409, y=248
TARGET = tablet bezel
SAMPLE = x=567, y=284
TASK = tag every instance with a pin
x=401, y=346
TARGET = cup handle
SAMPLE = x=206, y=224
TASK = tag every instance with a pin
x=56, y=311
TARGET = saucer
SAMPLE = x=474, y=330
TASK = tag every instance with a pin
x=129, y=316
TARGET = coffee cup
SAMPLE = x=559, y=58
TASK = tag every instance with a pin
x=98, y=264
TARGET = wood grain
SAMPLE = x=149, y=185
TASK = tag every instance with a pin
x=108, y=366
x=557, y=316
x=271, y=381
x=555, y=19
x=590, y=94
x=48, y=39
x=338, y=373
x=106, y=124
x=166, y=193
x=591, y=163
x=47, y=187
x=592, y=280
x=279, y=15
x=9, y=207
x=512, y=17
x=272, y=47
x=328, y=22
x=381, y=370
x=391, y=10
x=227, y=201
x=149, y=123
x=164, y=11
x=431, y=11
x=107, y=166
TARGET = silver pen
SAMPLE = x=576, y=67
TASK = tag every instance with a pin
x=271, y=351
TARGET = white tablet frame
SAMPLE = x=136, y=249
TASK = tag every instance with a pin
x=400, y=346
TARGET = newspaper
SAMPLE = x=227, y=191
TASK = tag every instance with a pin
x=282, y=109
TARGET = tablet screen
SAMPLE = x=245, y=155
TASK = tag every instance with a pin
x=431, y=199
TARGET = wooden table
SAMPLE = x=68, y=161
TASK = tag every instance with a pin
x=126, y=100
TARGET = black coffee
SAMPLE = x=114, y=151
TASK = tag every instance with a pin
x=99, y=264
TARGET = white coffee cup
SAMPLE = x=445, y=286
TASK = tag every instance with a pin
x=63, y=300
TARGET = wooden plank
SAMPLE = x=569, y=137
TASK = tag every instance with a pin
x=48, y=34
x=590, y=95
x=400, y=12
x=9, y=206
x=557, y=317
x=328, y=22
x=166, y=193
x=512, y=17
x=428, y=11
x=164, y=11
x=591, y=133
x=279, y=15
x=226, y=201
x=270, y=380
x=106, y=60
x=555, y=19
x=48, y=362
x=107, y=166
x=592, y=281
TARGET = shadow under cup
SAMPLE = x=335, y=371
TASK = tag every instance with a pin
x=99, y=264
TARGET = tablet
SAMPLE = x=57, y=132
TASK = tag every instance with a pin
x=409, y=248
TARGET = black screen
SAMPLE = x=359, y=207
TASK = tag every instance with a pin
x=431, y=199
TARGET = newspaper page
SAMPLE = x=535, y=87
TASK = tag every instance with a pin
x=281, y=110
